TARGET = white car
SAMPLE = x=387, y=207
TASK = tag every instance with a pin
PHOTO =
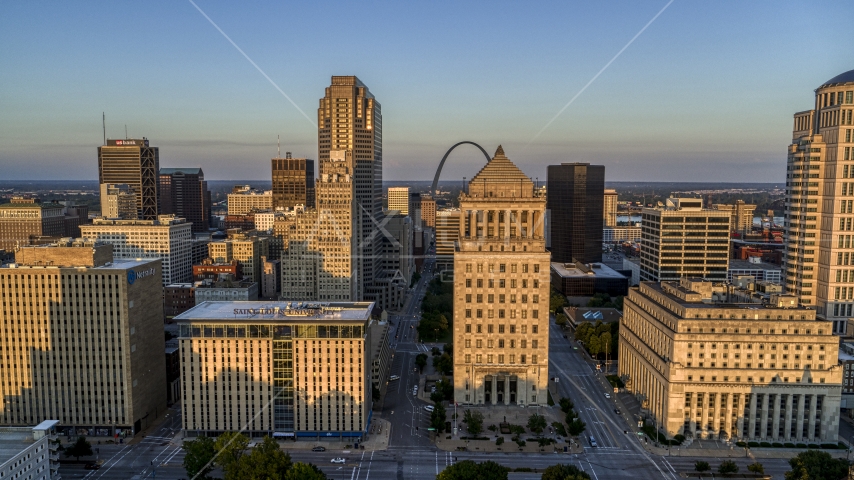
x=429, y=408
x=393, y=378
x=607, y=395
x=338, y=460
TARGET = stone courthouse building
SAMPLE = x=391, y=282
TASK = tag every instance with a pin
x=707, y=368
x=501, y=290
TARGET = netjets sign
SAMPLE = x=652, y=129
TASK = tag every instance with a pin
x=133, y=275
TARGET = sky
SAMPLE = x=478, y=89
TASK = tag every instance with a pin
x=706, y=92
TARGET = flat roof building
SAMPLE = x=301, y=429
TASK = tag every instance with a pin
x=580, y=280
x=133, y=162
x=24, y=219
x=706, y=368
x=293, y=182
x=259, y=366
x=398, y=199
x=29, y=452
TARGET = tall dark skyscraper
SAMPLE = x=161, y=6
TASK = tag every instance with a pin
x=184, y=193
x=133, y=162
x=293, y=182
x=574, y=198
x=349, y=119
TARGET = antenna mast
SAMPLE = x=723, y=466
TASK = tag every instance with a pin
x=104, y=126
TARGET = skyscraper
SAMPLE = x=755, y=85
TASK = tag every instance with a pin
x=501, y=290
x=349, y=119
x=609, y=210
x=135, y=163
x=820, y=201
x=575, y=202
x=398, y=199
x=293, y=182
x=184, y=193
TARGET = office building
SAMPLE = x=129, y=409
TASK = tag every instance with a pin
x=585, y=280
x=30, y=452
x=106, y=375
x=501, y=290
x=447, y=234
x=704, y=367
x=398, y=199
x=683, y=239
x=621, y=234
x=575, y=206
x=225, y=289
x=350, y=120
x=135, y=163
x=397, y=246
x=756, y=268
x=741, y=216
x=819, y=204
x=271, y=278
x=609, y=208
x=25, y=219
x=118, y=201
x=184, y=193
x=381, y=356
x=293, y=182
x=243, y=200
x=167, y=238
x=254, y=367
x=428, y=211
x=178, y=298
x=209, y=269
x=247, y=250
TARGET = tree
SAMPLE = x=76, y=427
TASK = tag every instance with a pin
x=564, y=472
x=265, y=461
x=756, y=468
x=816, y=465
x=469, y=470
x=727, y=466
x=561, y=321
x=701, y=466
x=304, y=471
x=198, y=454
x=444, y=364
x=438, y=418
x=605, y=343
x=593, y=345
x=557, y=301
x=576, y=427
x=230, y=447
x=80, y=448
x=536, y=423
x=474, y=422
x=446, y=388
x=421, y=362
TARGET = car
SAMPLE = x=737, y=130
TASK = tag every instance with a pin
x=338, y=460
x=592, y=441
x=617, y=411
x=429, y=408
x=318, y=449
x=92, y=466
x=432, y=389
x=393, y=378
x=607, y=395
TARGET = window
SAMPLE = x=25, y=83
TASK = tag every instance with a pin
x=468, y=325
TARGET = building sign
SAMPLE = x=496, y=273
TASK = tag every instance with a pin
x=128, y=142
x=134, y=274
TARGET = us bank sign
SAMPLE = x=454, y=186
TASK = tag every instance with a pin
x=135, y=274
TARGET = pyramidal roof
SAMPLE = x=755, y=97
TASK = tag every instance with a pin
x=499, y=168
x=501, y=177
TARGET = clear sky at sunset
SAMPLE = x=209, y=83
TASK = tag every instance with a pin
x=705, y=93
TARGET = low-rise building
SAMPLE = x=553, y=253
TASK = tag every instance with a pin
x=225, y=289
x=209, y=269
x=29, y=452
x=617, y=234
x=707, y=369
x=243, y=200
x=271, y=277
x=285, y=369
x=756, y=268
x=580, y=280
x=579, y=315
x=178, y=298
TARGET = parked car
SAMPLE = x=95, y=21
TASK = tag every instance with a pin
x=318, y=449
x=429, y=408
x=607, y=395
x=338, y=460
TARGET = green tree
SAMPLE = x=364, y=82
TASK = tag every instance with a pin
x=438, y=418
x=446, y=388
x=474, y=422
x=444, y=364
x=561, y=321
x=727, y=466
x=304, y=471
x=230, y=448
x=593, y=345
x=701, y=466
x=816, y=465
x=557, y=301
x=564, y=472
x=198, y=454
x=421, y=361
x=576, y=427
x=756, y=467
x=566, y=404
x=537, y=423
x=80, y=448
x=469, y=470
x=264, y=461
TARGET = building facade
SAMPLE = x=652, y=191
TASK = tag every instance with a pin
x=225, y=289
x=621, y=234
x=184, y=193
x=288, y=369
x=817, y=219
x=741, y=215
x=293, y=182
x=575, y=206
x=447, y=234
x=106, y=375
x=501, y=290
x=24, y=219
x=398, y=199
x=167, y=238
x=704, y=368
x=118, y=201
x=133, y=162
x=247, y=250
x=683, y=239
x=609, y=208
x=30, y=453
x=243, y=200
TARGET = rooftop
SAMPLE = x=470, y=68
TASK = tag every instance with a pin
x=581, y=270
x=746, y=265
x=293, y=311
x=188, y=171
x=592, y=314
x=847, y=77
x=116, y=264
